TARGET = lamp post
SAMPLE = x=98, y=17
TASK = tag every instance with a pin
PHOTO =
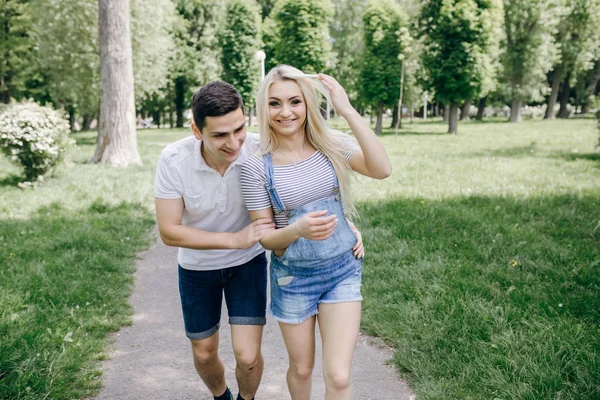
x=260, y=56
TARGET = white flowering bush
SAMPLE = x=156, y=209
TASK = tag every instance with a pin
x=35, y=137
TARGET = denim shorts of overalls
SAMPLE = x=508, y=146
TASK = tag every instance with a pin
x=312, y=271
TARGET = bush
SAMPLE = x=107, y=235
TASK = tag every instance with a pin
x=35, y=137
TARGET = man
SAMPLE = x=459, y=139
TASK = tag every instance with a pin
x=200, y=209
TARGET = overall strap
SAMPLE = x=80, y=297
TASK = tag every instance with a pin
x=336, y=183
x=270, y=184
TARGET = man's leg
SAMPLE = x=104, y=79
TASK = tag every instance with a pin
x=246, y=297
x=209, y=364
x=246, y=341
x=201, y=299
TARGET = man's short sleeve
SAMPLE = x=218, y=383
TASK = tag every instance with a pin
x=166, y=184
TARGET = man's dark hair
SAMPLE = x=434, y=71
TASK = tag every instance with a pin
x=213, y=100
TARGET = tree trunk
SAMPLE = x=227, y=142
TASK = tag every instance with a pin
x=71, y=111
x=556, y=75
x=85, y=124
x=394, y=117
x=452, y=118
x=250, y=110
x=180, y=89
x=412, y=112
x=481, y=109
x=379, y=118
x=117, y=142
x=464, y=110
x=591, y=87
x=436, y=109
x=446, y=112
x=515, y=111
x=170, y=100
x=564, y=98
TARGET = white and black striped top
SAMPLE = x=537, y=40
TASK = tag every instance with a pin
x=297, y=184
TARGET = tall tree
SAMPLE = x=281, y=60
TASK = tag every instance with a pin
x=117, y=142
x=239, y=39
x=196, y=60
x=16, y=47
x=152, y=23
x=530, y=49
x=457, y=36
x=380, y=72
x=303, y=34
x=346, y=29
x=66, y=34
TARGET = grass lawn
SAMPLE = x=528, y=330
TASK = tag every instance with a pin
x=482, y=268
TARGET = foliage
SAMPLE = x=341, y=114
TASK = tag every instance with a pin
x=303, y=34
x=380, y=71
x=66, y=34
x=269, y=36
x=346, y=30
x=530, y=49
x=458, y=36
x=239, y=40
x=196, y=60
x=16, y=47
x=152, y=45
x=35, y=137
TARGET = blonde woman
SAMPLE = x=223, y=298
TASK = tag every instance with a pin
x=300, y=179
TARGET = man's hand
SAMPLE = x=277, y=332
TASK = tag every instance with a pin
x=359, y=250
x=315, y=226
x=253, y=233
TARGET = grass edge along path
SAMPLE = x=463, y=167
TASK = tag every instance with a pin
x=487, y=298
x=64, y=285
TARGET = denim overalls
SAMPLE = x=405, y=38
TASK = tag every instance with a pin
x=312, y=271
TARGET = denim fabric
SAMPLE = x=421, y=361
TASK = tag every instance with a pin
x=201, y=292
x=305, y=252
x=296, y=292
x=312, y=271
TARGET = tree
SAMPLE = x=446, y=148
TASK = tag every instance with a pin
x=457, y=36
x=347, y=36
x=530, y=50
x=66, y=34
x=577, y=39
x=196, y=60
x=380, y=72
x=303, y=34
x=152, y=45
x=117, y=142
x=16, y=47
x=239, y=40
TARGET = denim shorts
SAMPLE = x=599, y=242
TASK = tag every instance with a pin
x=297, y=291
x=201, y=292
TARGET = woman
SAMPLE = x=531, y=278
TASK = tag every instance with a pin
x=300, y=179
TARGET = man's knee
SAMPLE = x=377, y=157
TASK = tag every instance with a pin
x=205, y=351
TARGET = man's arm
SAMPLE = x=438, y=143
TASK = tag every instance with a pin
x=169, y=213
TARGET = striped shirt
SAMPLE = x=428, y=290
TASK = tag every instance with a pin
x=297, y=184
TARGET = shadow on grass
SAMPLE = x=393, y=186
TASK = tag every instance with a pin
x=85, y=140
x=11, y=180
x=509, y=152
x=579, y=156
x=487, y=297
x=65, y=279
x=408, y=132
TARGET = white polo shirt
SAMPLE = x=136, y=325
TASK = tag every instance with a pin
x=213, y=203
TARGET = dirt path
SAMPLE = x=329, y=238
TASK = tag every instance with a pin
x=152, y=358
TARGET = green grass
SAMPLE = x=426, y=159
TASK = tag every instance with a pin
x=482, y=268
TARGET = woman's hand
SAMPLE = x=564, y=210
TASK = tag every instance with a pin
x=338, y=95
x=316, y=226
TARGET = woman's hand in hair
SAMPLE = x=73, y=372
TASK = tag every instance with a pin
x=316, y=225
x=338, y=95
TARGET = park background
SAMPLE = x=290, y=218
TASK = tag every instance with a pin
x=483, y=247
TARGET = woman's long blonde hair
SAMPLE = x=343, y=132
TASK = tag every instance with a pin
x=328, y=142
